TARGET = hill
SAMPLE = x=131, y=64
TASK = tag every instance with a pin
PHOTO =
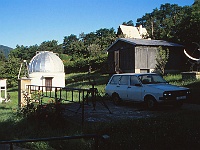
x=5, y=49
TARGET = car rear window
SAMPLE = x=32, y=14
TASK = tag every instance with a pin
x=115, y=80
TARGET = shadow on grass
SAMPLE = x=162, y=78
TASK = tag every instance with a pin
x=195, y=93
x=85, y=79
x=14, y=89
x=2, y=107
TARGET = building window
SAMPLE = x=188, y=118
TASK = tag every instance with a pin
x=144, y=70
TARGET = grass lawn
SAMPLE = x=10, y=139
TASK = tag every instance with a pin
x=178, y=130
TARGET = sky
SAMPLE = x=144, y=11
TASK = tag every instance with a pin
x=31, y=22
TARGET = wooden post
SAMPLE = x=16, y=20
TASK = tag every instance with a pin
x=22, y=87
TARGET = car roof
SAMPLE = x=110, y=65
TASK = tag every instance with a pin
x=136, y=74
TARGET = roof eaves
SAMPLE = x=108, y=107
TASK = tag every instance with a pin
x=123, y=40
x=127, y=41
x=112, y=44
x=146, y=42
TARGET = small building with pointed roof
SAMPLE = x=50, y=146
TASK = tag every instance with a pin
x=132, y=32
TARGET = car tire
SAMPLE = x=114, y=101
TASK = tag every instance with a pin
x=116, y=99
x=150, y=103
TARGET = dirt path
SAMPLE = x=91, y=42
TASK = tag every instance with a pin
x=126, y=110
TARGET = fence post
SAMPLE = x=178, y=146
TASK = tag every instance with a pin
x=56, y=100
x=60, y=94
x=83, y=109
x=72, y=95
x=79, y=96
x=11, y=146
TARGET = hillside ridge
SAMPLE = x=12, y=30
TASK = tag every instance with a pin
x=5, y=49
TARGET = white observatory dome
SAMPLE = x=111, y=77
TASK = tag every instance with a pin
x=45, y=61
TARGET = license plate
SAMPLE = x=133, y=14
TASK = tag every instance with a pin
x=181, y=97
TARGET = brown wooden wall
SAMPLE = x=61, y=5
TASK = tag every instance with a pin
x=143, y=57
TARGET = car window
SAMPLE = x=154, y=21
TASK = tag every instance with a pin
x=124, y=80
x=158, y=79
x=149, y=79
x=134, y=80
x=145, y=79
x=115, y=80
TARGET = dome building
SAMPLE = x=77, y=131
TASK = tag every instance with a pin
x=46, y=69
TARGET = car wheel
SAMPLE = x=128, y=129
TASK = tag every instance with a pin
x=150, y=103
x=116, y=99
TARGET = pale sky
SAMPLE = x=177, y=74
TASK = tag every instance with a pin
x=30, y=22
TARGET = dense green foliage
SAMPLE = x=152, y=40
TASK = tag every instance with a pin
x=161, y=59
x=87, y=50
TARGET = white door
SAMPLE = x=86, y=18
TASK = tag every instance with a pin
x=134, y=89
x=123, y=86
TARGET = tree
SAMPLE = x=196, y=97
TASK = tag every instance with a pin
x=2, y=69
x=94, y=50
x=51, y=46
x=162, y=23
x=2, y=64
x=11, y=70
x=88, y=49
x=128, y=23
x=74, y=47
x=67, y=42
x=102, y=37
x=188, y=30
x=24, y=52
x=161, y=59
x=2, y=56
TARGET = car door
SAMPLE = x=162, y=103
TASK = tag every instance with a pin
x=134, y=90
x=113, y=85
x=123, y=86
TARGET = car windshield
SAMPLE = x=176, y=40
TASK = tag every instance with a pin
x=151, y=79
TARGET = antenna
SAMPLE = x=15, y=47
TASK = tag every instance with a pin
x=24, y=69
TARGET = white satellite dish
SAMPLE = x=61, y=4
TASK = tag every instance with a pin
x=195, y=59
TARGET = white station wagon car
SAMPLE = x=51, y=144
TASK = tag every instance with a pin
x=150, y=88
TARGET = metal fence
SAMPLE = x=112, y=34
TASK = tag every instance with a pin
x=96, y=138
x=61, y=94
x=65, y=95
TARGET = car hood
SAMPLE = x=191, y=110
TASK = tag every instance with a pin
x=167, y=87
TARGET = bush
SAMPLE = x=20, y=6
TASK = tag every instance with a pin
x=81, y=64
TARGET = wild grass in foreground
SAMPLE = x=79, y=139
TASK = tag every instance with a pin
x=171, y=131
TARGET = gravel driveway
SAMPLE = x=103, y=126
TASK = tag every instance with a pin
x=126, y=110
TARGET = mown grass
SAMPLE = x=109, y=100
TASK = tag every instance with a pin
x=194, y=85
x=172, y=130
